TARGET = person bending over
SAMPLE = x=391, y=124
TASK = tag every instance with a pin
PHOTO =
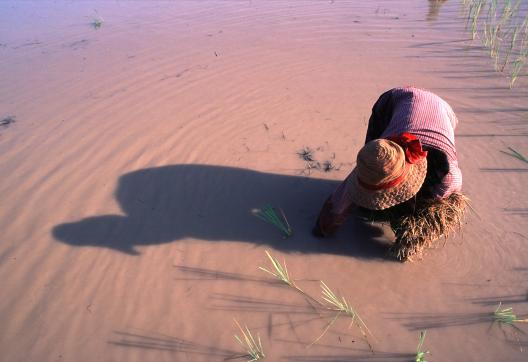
x=406, y=173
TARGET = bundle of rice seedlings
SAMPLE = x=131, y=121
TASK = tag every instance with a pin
x=420, y=355
x=276, y=217
x=418, y=228
x=506, y=316
x=253, y=348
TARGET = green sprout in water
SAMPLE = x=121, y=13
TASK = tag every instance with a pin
x=506, y=316
x=341, y=306
x=253, y=348
x=276, y=217
x=97, y=22
x=420, y=355
x=280, y=272
x=502, y=32
x=515, y=154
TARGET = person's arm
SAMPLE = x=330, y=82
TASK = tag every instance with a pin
x=334, y=211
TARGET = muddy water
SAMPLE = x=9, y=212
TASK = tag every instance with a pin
x=140, y=147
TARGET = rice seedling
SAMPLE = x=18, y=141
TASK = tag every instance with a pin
x=341, y=306
x=6, y=121
x=97, y=21
x=420, y=355
x=328, y=166
x=474, y=12
x=333, y=302
x=280, y=272
x=275, y=217
x=516, y=69
x=506, y=316
x=252, y=346
x=501, y=33
x=510, y=48
x=515, y=154
x=306, y=154
x=309, y=166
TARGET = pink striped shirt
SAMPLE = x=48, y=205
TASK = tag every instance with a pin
x=423, y=114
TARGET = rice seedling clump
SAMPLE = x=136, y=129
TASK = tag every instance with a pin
x=506, y=316
x=420, y=355
x=420, y=227
x=275, y=217
x=252, y=346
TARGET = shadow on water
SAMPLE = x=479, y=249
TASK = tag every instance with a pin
x=366, y=356
x=214, y=203
x=423, y=321
x=202, y=274
x=488, y=169
x=168, y=343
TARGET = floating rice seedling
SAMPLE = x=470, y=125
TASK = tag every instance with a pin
x=332, y=302
x=6, y=121
x=329, y=166
x=275, y=217
x=97, y=22
x=506, y=316
x=307, y=154
x=501, y=33
x=420, y=355
x=280, y=272
x=515, y=154
x=341, y=306
x=253, y=347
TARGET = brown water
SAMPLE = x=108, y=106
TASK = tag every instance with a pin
x=139, y=149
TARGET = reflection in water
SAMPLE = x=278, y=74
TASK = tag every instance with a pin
x=434, y=9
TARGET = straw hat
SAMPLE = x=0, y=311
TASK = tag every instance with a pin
x=388, y=173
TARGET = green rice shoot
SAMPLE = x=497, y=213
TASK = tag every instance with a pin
x=280, y=272
x=97, y=21
x=506, y=316
x=341, y=306
x=252, y=346
x=515, y=154
x=420, y=355
x=275, y=217
x=503, y=30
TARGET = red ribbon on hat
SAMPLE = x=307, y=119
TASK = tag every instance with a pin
x=411, y=145
x=386, y=185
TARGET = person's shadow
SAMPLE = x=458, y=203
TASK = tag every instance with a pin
x=214, y=203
